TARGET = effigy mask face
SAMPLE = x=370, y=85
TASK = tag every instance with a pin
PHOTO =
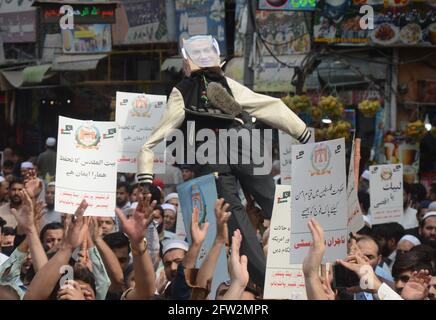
x=202, y=51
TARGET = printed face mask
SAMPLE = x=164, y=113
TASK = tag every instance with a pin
x=203, y=51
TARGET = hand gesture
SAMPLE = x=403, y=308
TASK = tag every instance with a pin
x=95, y=229
x=71, y=291
x=314, y=257
x=417, y=286
x=326, y=280
x=359, y=264
x=32, y=184
x=78, y=228
x=198, y=232
x=136, y=226
x=24, y=215
x=87, y=293
x=238, y=265
x=222, y=217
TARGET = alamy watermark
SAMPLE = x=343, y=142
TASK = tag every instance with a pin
x=223, y=146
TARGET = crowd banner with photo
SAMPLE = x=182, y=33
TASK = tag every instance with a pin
x=283, y=280
x=355, y=219
x=201, y=17
x=201, y=193
x=319, y=192
x=285, y=143
x=136, y=117
x=396, y=23
x=386, y=193
x=86, y=166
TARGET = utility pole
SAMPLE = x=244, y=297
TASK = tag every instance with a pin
x=248, y=44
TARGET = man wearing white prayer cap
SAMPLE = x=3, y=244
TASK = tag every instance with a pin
x=427, y=229
x=406, y=243
x=170, y=215
x=173, y=253
x=172, y=198
x=47, y=160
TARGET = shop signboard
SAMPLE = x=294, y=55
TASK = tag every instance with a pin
x=397, y=23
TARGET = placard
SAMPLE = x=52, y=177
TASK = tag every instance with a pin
x=283, y=280
x=386, y=193
x=319, y=192
x=136, y=116
x=86, y=166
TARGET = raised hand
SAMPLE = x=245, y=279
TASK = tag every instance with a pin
x=222, y=217
x=198, y=232
x=32, y=184
x=95, y=229
x=72, y=291
x=25, y=215
x=78, y=227
x=237, y=264
x=313, y=259
x=136, y=226
x=417, y=286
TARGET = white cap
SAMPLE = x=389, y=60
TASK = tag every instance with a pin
x=174, y=244
x=365, y=174
x=2, y=179
x=408, y=237
x=52, y=184
x=432, y=205
x=27, y=165
x=170, y=196
x=429, y=214
x=51, y=142
x=167, y=206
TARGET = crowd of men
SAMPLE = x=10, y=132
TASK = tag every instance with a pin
x=137, y=254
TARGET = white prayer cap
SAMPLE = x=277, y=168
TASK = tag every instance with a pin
x=170, y=196
x=51, y=142
x=365, y=174
x=432, y=205
x=27, y=165
x=412, y=239
x=2, y=179
x=52, y=184
x=429, y=214
x=167, y=206
x=174, y=244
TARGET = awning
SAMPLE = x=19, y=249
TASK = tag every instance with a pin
x=77, y=62
x=25, y=77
